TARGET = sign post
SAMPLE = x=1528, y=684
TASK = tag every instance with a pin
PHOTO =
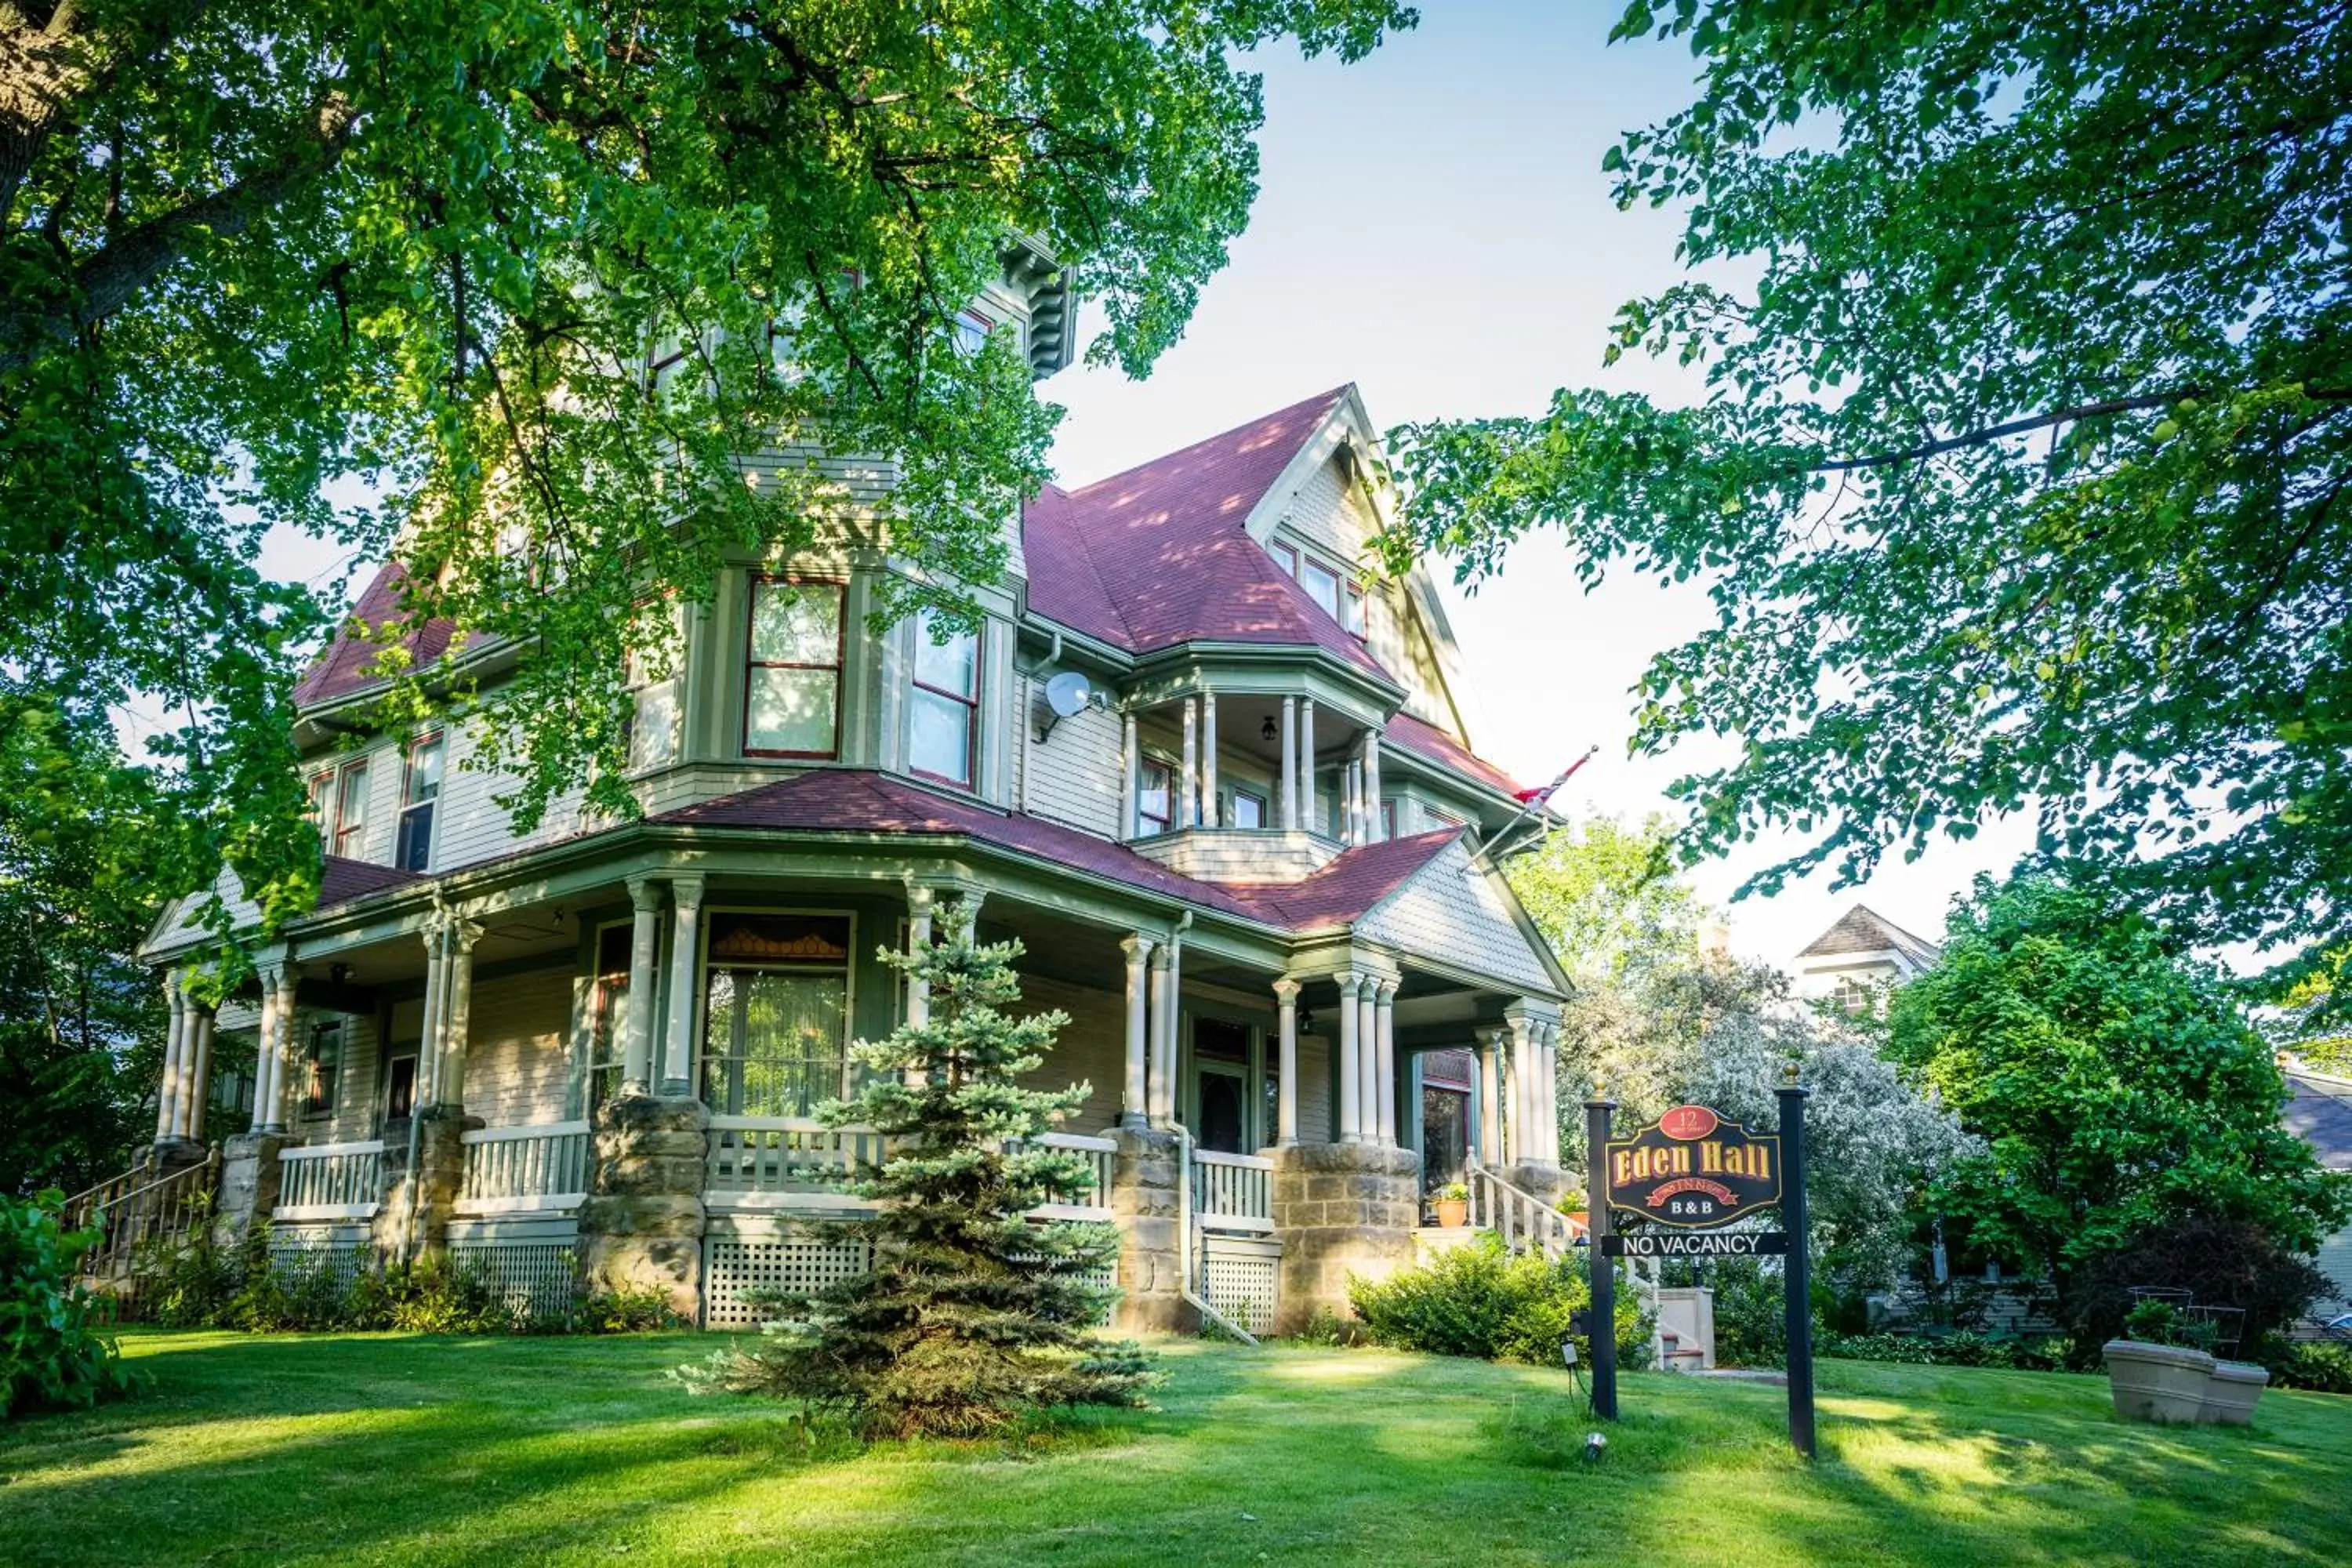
x=1797, y=1274
x=1604, y=1270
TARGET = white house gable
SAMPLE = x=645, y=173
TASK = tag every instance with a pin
x=1452, y=913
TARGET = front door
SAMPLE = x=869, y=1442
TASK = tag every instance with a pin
x=1221, y=1101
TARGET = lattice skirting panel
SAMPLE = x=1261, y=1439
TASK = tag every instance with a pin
x=736, y=1271
x=297, y=1254
x=536, y=1278
x=1241, y=1279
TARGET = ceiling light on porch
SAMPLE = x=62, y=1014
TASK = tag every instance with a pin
x=1265, y=731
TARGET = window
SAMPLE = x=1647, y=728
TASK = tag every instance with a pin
x=1284, y=557
x=970, y=331
x=1154, y=793
x=400, y=1087
x=351, y=811
x=320, y=784
x=322, y=1064
x=420, y=791
x=1352, y=612
x=1249, y=810
x=1322, y=586
x=776, y=1013
x=608, y=1016
x=946, y=704
x=1852, y=995
x=791, y=682
x=653, y=722
x=1388, y=819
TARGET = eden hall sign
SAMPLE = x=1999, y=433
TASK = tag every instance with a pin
x=1693, y=1168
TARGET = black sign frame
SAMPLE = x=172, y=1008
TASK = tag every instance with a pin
x=1693, y=1170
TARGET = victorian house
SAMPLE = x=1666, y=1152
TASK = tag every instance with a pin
x=1204, y=758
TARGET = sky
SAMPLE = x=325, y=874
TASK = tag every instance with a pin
x=1434, y=226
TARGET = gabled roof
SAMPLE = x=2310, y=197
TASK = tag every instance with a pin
x=343, y=667
x=1862, y=930
x=2319, y=1112
x=854, y=800
x=1161, y=555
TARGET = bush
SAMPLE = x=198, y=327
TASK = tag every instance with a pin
x=1478, y=1300
x=1965, y=1348
x=54, y=1350
x=2321, y=1366
x=1751, y=1324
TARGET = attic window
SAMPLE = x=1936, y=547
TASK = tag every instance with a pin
x=1322, y=586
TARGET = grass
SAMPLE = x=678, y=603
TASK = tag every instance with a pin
x=390, y=1448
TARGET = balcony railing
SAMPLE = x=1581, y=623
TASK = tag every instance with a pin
x=330, y=1181
x=1233, y=1192
x=525, y=1170
x=787, y=1162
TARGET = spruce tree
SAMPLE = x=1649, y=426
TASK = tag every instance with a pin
x=970, y=1314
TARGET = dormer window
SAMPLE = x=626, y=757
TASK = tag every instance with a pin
x=1322, y=586
x=1351, y=610
x=946, y=704
x=792, y=677
x=1329, y=586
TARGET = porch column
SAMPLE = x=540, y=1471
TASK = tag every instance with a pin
x=1289, y=818
x=919, y=937
x=1373, y=831
x=1490, y=1097
x=645, y=940
x=1135, y=1104
x=200, y=1076
x=282, y=1090
x=457, y=1011
x=1368, y=1050
x=167, y=1088
x=426, y=1090
x=1131, y=776
x=1187, y=806
x=1209, y=815
x=268, y=1063
x=1549, y=1050
x=1351, y=1105
x=685, y=958
x=1351, y=800
x=1307, y=762
x=1162, y=1085
x=1527, y=1148
x=1285, y=1063
x=1384, y=1015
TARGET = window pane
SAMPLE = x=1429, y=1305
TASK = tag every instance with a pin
x=653, y=729
x=942, y=743
x=775, y=1043
x=1352, y=607
x=796, y=623
x=1249, y=810
x=1322, y=586
x=791, y=710
x=424, y=782
x=953, y=666
x=1152, y=797
x=350, y=810
x=415, y=850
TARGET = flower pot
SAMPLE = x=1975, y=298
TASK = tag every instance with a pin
x=2157, y=1383
x=1453, y=1213
x=2232, y=1391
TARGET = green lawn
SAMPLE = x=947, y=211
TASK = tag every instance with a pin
x=400, y=1448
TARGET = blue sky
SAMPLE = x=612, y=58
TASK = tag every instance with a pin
x=1434, y=226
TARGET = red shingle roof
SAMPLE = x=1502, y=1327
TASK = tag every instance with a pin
x=1438, y=746
x=1158, y=555
x=844, y=800
x=346, y=880
x=343, y=667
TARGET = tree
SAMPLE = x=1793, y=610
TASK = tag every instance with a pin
x=2020, y=477
x=82, y=1027
x=2120, y=1089
x=970, y=1314
x=548, y=278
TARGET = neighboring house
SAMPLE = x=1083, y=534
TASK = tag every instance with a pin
x=1241, y=861
x=1859, y=959
x=2319, y=1112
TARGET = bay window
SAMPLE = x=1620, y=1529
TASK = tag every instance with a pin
x=776, y=1014
x=946, y=703
x=791, y=678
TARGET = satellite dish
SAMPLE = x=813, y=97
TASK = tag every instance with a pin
x=1067, y=695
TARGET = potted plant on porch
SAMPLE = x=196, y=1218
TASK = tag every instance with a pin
x=1452, y=1202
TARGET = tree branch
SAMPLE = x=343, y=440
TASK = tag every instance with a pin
x=1991, y=433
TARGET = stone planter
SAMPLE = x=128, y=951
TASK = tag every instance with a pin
x=2157, y=1383
x=1453, y=1213
x=2232, y=1392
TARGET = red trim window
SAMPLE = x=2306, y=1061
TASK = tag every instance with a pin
x=1155, y=799
x=420, y=794
x=351, y=811
x=946, y=730
x=791, y=668
x=969, y=333
x=1322, y=586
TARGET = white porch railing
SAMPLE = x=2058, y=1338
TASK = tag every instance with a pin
x=1525, y=1222
x=330, y=1181
x=1093, y=1201
x=787, y=1162
x=525, y=1170
x=1233, y=1192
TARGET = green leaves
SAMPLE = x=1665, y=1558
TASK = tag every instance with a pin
x=2020, y=473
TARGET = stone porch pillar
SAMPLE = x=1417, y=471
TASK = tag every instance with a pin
x=641, y=1225
x=1135, y=1103
x=1285, y=1103
x=1144, y=1201
x=685, y=958
x=644, y=941
x=1341, y=1209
